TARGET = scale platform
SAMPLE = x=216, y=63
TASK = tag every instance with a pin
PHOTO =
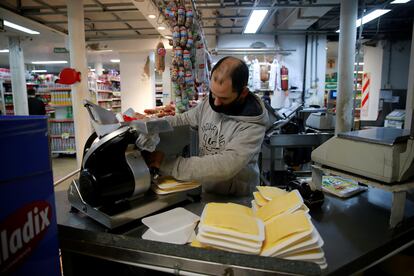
x=126, y=211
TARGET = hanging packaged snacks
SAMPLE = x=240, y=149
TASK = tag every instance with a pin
x=183, y=36
x=179, y=55
x=189, y=41
x=174, y=73
x=189, y=18
x=186, y=59
x=176, y=36
x=160, y=57
x=181, y=16
x=181, y=75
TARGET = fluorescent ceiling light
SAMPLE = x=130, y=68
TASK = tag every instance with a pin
x=4, y=51
x=39, y=71
x=50, y=62
x=18, y=27
x=161, y=28
x=399, y=1
x=151, y=16
x=115, y=60
x=255, y=20
x=369, y=17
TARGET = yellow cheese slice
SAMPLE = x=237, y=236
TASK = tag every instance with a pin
x=196, y=243
x=170, y=182
x=284, y=228
x=280, y=205
x=270, y=192
x=230, y=208
x=226, y=216
x=260, y=200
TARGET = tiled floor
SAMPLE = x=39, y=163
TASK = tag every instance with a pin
x=62, y=166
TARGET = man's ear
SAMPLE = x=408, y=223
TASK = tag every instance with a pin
x=244, y=92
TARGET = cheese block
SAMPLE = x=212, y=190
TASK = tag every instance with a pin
x=285, y=230
x=174, y=190
x=269, y=192
x=168, y=182
x=260, y=200
x=289, y=202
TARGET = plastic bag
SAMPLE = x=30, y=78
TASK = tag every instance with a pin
x=147, y=142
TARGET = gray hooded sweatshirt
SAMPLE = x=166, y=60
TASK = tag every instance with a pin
x=228, y=148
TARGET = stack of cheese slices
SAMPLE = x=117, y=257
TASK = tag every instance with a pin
x=288, y=229
x=168, y=185
x=230, y=227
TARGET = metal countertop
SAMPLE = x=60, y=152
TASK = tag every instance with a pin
x=355, y=232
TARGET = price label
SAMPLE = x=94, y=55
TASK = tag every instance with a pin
x=65, y=135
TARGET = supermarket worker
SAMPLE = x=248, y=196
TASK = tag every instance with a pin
x=231, y=124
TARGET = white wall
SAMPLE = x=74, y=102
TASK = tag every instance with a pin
x=315, y=78
x=400, y=62
x=373, y=64
x=137, y=88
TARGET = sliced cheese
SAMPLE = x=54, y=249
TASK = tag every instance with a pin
x=231, y=221
x=285, y=230
x=231, y=239
x=260, y=200
x=269, y=192
x=229, y=208
x=279, y=205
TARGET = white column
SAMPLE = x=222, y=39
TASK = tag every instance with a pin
x=347, y=39
x=137, y=91
x=18, y=79
x=77, y=51
x=410, y=91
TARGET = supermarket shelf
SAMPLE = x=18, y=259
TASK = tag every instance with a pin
x=104, y=91
x=60, y=120
x=116, y=99
x=59, y=89
x=104, y=100
x=8, y=105
x=116, y=106
x=8, y=93
x=60, y=105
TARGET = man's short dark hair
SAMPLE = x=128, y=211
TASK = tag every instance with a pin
x=31, y=92
x=239, y=74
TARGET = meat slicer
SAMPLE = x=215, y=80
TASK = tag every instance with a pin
x=114, y=183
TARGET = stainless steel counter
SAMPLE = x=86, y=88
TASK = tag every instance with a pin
x=355, y=232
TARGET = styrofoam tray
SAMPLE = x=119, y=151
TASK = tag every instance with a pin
x=255, y=207
x=310, y=257
x=227, y=245
x=314, y=242
x=230, y=239
x=170, y=221
x=181, y=236
x=163, y=192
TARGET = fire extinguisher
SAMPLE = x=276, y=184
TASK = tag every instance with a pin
x=284, y=78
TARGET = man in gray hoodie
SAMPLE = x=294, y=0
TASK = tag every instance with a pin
x=231, y=126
